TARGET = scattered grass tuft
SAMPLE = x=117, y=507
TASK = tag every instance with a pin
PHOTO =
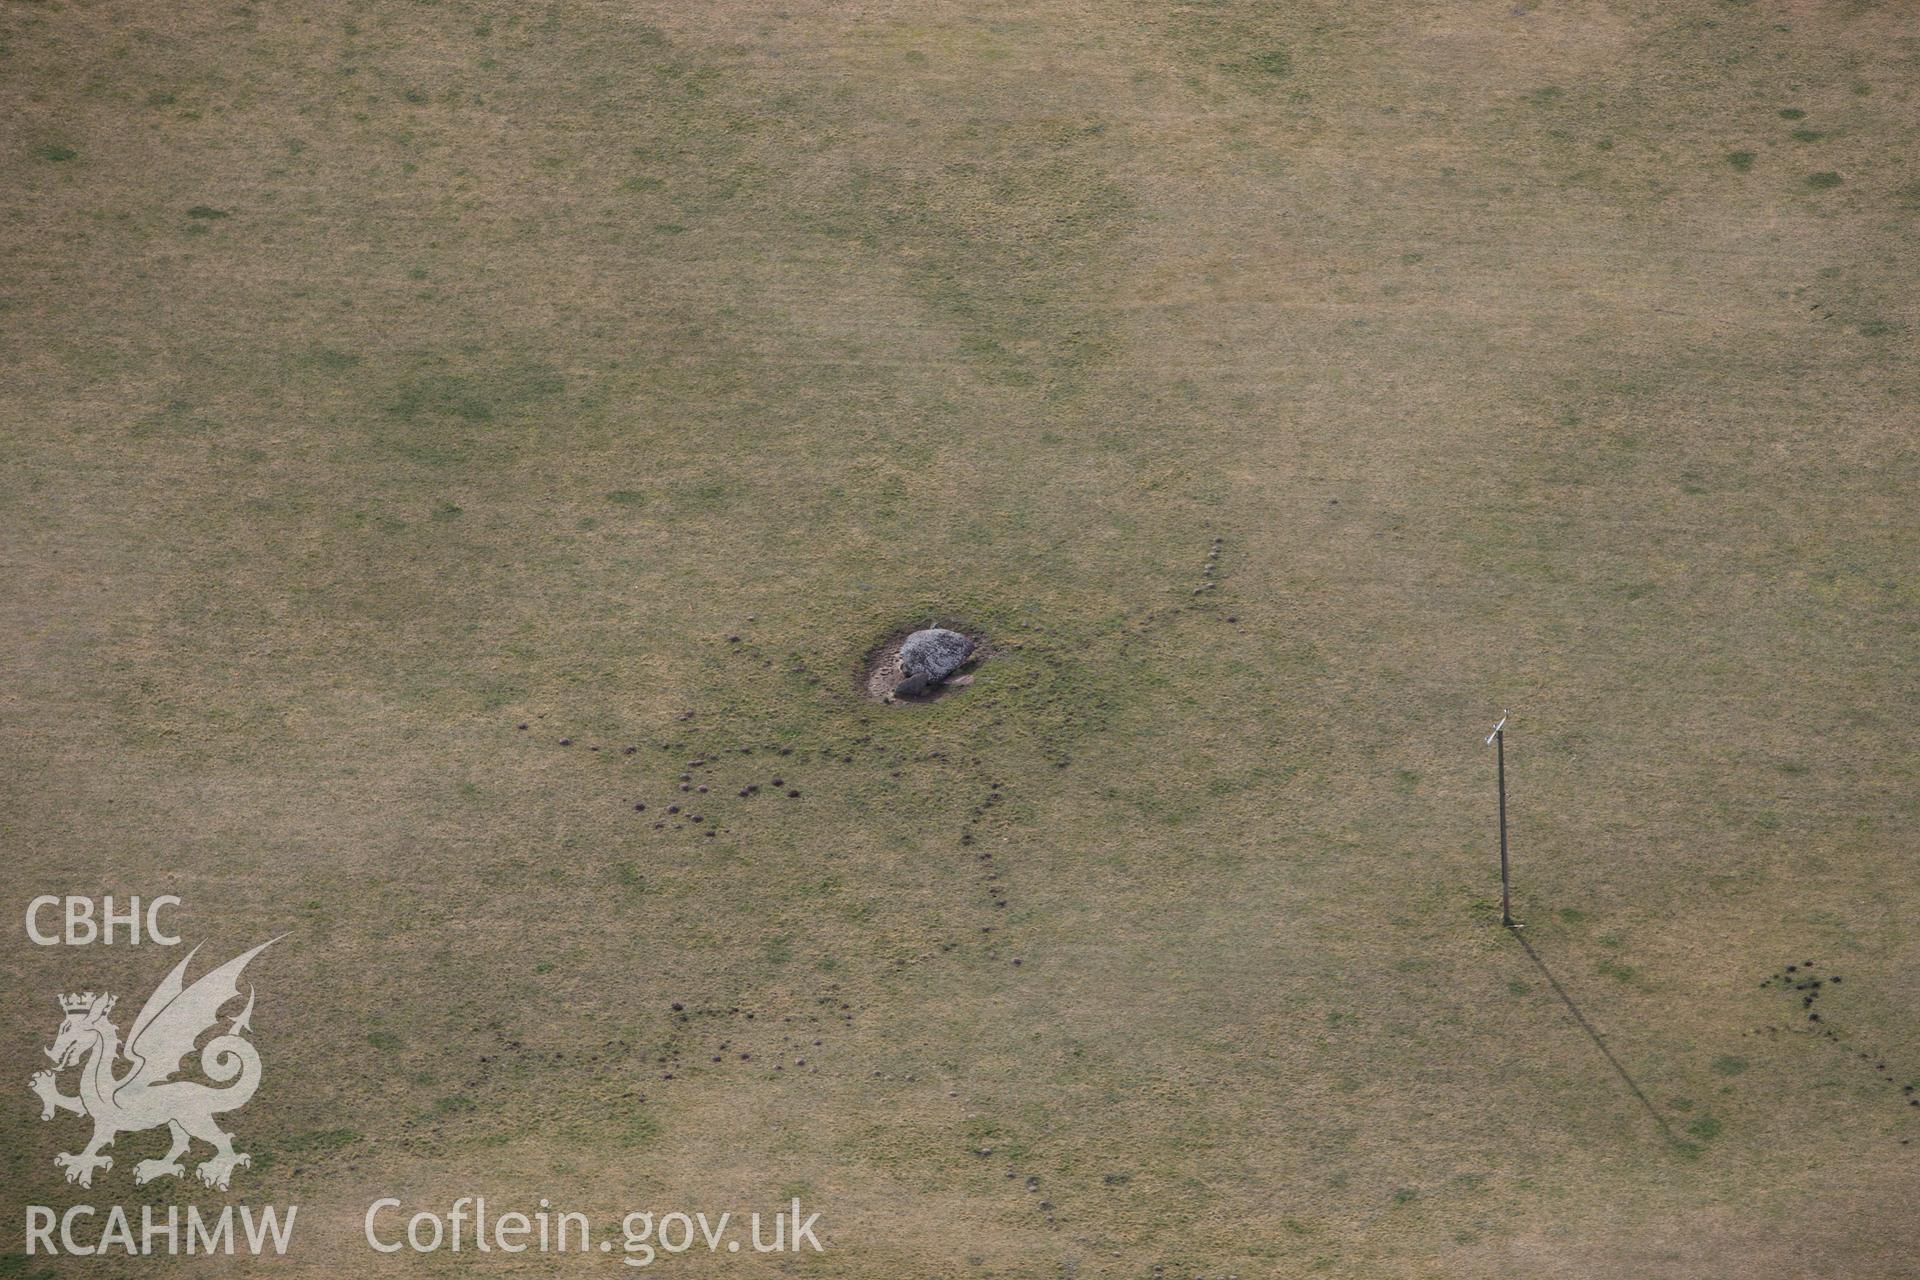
x=1274, y=62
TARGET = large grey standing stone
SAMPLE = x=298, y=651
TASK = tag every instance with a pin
x=928, y=657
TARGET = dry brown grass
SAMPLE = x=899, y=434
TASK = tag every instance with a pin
x=379, y=378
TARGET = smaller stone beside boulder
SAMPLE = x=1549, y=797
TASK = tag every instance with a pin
x=929, y=657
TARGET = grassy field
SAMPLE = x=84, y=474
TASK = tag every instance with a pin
x=405, y=406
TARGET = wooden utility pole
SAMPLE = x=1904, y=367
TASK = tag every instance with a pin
x=1498, y=741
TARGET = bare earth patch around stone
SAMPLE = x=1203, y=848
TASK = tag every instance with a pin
x=881, y=671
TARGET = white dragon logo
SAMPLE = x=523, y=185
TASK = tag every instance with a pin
x=147, y=1096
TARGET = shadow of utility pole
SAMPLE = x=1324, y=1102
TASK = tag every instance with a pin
x=1599, y=1041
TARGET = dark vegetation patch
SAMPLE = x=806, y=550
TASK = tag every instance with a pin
x=448, y=413
x=328, y=360
x=476, y=396
x=1005, y=241
x=1272, y=62
x=1254, y=47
